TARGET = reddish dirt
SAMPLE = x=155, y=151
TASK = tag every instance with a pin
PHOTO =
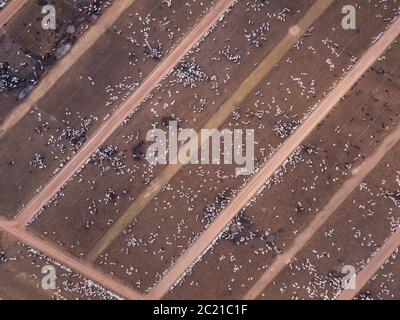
x=359, y=227
x=9, y=9
x=25, y=39
x=384, y=285
x=299, y=191
x=124, y=180
x=21, y=269
x=68, y=114
x=178, y=214
x=149, y=223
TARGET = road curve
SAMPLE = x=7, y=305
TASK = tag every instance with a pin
x=84, y=43
x=74, y=263
x=287, y=148
x=9, y=10
x=109, y=126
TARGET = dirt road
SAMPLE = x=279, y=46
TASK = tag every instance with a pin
x=288, y=147
x=10, y=9
x=104, y=23
x=337, y=199
x=215, y=121
x=70, y=261
x=102, y=134
x=373, y=266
